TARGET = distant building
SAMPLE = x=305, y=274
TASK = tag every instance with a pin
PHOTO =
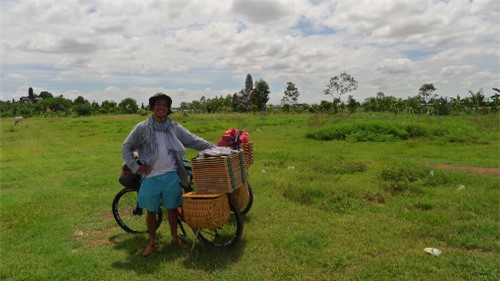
x=31, y=97
x=244, y=97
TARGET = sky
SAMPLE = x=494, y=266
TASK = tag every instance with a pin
x=112, y=50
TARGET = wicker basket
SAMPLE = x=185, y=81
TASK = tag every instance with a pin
x=247, y=153
x=221, y=174
x=208, y=211
x=241, y=197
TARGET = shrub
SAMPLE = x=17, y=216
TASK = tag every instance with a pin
x=402, y=173
x=403, y=178
x=339, y=166
x=416, y=130
x=85, y=109
x=359, y=131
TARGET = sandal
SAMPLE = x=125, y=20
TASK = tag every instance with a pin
x=178, y=243
x=149, y=249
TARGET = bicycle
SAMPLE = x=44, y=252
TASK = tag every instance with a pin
x=131, y=218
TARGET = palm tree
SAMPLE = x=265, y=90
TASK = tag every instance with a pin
x=456, y=104
x=495, y=100
x=476, y=100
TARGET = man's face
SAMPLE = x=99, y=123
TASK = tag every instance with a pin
x=160, y=109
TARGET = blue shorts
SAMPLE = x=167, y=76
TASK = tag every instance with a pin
x=165, y=187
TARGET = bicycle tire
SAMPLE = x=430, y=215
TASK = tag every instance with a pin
x=226, y=235
x=247, y=208
x=127, y=213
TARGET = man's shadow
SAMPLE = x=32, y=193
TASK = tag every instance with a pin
x=198, y=255
x=208, y=258
x=133, y=245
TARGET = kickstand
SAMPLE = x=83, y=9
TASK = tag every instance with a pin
x=195, y=238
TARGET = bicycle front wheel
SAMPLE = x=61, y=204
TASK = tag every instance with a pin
x=127, y=213
x=226, y=235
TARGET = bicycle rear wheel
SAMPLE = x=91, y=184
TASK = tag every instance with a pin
x=226, y=235
x=245, y=208
x=127, y=213
x=250, y=201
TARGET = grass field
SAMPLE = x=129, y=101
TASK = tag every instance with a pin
x=337, y=197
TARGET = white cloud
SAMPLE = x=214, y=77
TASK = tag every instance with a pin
x=484, y=78
x=398, y=65
x=260, y=12
x=454, y=70
x=206, y=48
x=14, y=76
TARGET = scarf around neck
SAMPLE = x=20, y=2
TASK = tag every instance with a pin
x=173, y=142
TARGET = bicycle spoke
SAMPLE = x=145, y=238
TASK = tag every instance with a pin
x=128, y=215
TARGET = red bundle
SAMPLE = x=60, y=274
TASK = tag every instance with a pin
x=233, y=137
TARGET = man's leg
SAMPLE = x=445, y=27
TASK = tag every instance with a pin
x=151, y=224
x=172, y=221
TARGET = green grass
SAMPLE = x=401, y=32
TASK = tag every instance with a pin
x=352, y=208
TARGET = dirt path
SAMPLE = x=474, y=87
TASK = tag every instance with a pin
x=471, y=169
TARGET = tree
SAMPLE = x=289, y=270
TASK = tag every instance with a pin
x=260, y=95
x=340, y=85
x=108, y=107
x=302, y=107
x=184, y=106
x=352, y=104
x=426, y=92
x=290, y=97
x=128, y=106
x=46, y=95
x=390, y=104
x=83, y=109
x=325, y=106
x=399, y=106
x=203, y=104
x=96, y=106
x=314, y=108
x=456, y=104
x=80, y=100
x=380, y=103
x=476, y=100
x=495, y=100
x=56, y=105
x=442, y=106
x=370, y=104
x=413, y=104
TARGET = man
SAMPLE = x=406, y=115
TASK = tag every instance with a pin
x=160, y=143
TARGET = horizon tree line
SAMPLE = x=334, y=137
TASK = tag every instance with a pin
x=426, y=101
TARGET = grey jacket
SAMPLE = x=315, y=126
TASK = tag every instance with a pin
x=139, y=141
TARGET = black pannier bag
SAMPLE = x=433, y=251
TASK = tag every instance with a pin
x=128, y=178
